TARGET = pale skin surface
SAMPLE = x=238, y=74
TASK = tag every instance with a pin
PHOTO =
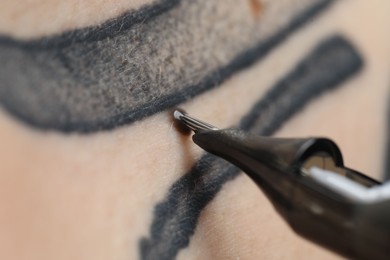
x=29, y=18
x=92, y=196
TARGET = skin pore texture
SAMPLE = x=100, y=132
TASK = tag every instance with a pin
x=140, y=189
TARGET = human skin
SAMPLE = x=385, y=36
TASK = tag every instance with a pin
x=92, y=196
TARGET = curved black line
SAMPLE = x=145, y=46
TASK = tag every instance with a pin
x=108, y=29
x=72, y=120
x=334, y=61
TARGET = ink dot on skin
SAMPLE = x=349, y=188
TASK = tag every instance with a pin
x=256, y=7
x=183, y=129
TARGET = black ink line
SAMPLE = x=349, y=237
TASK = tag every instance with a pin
x=333, y=62
x=108, y=29
x=91, y=83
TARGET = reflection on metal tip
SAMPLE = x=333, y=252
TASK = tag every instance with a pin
x=192, y=123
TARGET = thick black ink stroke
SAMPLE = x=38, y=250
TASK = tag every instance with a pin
x=334, y=61
x=79, y=82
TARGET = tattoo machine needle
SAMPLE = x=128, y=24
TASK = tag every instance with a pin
x=309, y=186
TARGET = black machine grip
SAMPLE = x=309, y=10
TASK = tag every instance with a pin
x=353, y=229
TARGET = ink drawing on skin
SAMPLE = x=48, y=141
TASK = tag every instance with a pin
x=132, y=68
x=94, y=166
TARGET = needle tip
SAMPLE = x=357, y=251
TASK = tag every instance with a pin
x=177, y=114
x=190, y=122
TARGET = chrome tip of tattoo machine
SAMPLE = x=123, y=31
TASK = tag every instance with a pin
x=192, y=123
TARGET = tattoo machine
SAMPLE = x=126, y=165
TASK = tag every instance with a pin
x=305, y=179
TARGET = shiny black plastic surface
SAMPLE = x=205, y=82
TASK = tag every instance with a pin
x=277, y=165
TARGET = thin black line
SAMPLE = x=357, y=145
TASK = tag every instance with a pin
x=108, y=29
x=334, y=61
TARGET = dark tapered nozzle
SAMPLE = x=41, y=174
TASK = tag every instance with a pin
x=272, y=163
x=281, y=154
